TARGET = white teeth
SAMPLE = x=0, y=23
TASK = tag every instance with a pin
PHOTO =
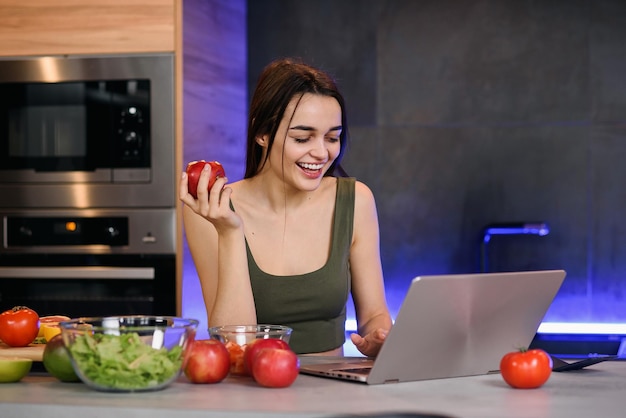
x=311, y=166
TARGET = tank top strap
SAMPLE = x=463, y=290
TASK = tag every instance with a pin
x=344, y=219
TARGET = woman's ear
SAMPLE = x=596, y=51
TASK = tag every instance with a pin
x=262, y=141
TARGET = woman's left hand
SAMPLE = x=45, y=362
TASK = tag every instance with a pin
x=371, y=343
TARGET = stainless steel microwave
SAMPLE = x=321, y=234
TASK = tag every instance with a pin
x=87, y=131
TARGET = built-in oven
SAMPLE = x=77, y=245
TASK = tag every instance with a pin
x=87, y=184
x=89, y=262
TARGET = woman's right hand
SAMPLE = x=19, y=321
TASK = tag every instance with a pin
x=215, y=237
x=213, y=205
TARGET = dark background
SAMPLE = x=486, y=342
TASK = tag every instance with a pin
x=467, y=113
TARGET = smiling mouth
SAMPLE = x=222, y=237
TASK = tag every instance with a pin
x=311, y=167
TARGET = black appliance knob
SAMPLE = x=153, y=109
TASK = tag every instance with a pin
x=113, y=231
x=132, y=137
x=26, y=231
x=132, y=112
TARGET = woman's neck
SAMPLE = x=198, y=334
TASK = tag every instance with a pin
x=276, y=194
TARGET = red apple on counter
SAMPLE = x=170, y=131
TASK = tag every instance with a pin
x=275, y=367
x=208, y=362
x=194, y=169
x=253, y=348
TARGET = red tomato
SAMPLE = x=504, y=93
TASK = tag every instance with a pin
x=253, y=348
x=19, y=326
x=275, y=367
x=208, y=362
x=194, y=169
x=526, y=369
x=236, y=353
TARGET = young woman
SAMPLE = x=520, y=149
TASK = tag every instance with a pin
x=287, y=244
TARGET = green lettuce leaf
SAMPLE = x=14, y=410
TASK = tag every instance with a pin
x=124, y=362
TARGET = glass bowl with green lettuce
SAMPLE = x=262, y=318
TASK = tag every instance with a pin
x=128, y=353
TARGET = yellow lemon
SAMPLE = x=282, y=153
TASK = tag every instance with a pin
x=50, y=330
x=51, y=319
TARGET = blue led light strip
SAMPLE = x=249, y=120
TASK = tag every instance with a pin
x=582, y=328
x=556, y=328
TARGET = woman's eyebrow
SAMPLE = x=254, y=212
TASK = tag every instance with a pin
x=310, y=128
x=301, y=128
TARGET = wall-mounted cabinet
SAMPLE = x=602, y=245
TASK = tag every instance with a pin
x=60, y=27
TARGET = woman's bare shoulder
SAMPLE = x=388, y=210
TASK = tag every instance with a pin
x=363, y=193
x=364, y=205
x=241, y=192
x=237, y=185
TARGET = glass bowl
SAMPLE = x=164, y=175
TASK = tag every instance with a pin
x=237, y=337
x=243, y=334
x=128, y=353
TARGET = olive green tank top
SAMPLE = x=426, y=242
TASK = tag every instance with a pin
x=313, y=304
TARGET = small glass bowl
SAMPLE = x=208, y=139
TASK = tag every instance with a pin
x=128, y=353
x=243, y=334
x=237, y=337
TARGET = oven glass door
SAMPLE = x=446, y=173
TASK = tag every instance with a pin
x=66, y=127
x=89, y=285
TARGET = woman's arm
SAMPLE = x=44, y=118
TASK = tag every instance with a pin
x=217, y=245
x=368, y=290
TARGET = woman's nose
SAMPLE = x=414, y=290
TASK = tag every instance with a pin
x=319, y=149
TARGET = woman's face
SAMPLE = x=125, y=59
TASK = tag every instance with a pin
x=306, y=144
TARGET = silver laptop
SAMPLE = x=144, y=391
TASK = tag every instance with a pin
x=452, y=326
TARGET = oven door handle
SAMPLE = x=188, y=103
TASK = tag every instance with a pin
x=86, y=272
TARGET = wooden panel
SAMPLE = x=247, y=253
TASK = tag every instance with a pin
x=58, y=27
x=179, y=151
x=33, y=351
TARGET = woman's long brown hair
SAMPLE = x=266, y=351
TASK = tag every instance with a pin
x=278, y=84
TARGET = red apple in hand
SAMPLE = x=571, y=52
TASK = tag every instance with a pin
x=194, y=169
x=253, y=348
x=275, y=367
x=208, y=362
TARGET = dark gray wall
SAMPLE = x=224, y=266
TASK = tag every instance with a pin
x=466, y=113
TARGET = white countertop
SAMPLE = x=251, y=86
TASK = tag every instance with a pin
x=597, y=391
